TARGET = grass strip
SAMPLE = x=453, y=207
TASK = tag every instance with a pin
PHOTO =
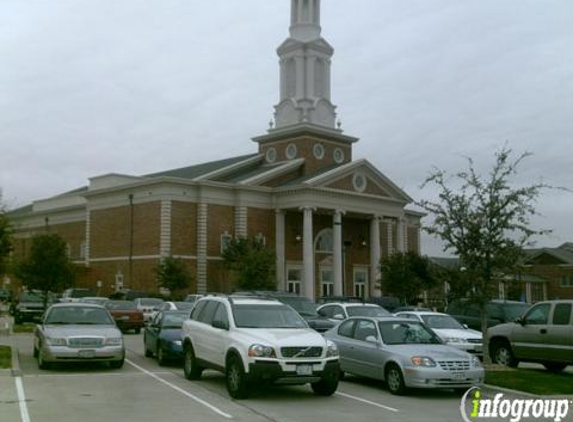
x=23, y=328
x=534, y=381
x=5, y=357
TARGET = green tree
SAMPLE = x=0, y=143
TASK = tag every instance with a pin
x=407, y=275
x=47, y=267
x=172, y=274
x=484, y=220
x=253, y=264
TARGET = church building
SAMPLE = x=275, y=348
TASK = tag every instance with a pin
x=328, y=217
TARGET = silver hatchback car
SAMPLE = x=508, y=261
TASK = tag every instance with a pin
x=78, y=332
x=404, y=353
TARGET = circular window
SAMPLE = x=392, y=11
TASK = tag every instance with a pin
x=318, y=151
x=359, y=182
x=291, y=151
x=338, y=155
x=271, y=155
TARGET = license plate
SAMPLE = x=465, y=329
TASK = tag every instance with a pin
x=304, y=369
x=459, y=375
x=86, y=354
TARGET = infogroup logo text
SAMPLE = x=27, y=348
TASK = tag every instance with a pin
x=514, y=410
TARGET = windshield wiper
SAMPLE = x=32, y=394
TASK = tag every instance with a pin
x=58, y=323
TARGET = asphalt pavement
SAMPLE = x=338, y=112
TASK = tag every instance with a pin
x=143, y=391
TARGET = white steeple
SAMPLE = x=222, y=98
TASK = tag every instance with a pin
x=305, y=59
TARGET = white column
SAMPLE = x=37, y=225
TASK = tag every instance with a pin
x=88, y=237
x=300, y=77
x=202, y=217
x=241, y=221
x=308, y=254
x=280, y=249
x=375, y=255
x=310, y=65
x=337, y=252
x=165, y=230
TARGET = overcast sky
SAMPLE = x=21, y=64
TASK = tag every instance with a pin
x=89, y=87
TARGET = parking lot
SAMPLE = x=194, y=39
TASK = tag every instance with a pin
x=144, y=391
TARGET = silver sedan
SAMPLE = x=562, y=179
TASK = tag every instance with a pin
x=78, y=332
x=404, y=353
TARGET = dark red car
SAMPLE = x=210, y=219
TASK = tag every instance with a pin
x=126, y=315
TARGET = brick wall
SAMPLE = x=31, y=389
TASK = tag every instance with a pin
x=183, y=228
x=304, y=146
x=221, y=219
x=260, y=220
x=110, y=230
x=554, y=275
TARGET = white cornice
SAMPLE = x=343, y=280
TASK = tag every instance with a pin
x=304, y=128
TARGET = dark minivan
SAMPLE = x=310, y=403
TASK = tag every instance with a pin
x=498, y=312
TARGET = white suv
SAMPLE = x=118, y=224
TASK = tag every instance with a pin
x=253, y=341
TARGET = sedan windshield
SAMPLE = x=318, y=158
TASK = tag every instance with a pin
x=514, y=311
x=267, y=316
x=150, y=302
x=367, y=311
x=405, y=332
x=442, y=322
x=78, y=316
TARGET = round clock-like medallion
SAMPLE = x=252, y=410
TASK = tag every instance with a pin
x=271, y=155
x=359, y=182
x=338, y=155
x=291, y=151
x=318, y=151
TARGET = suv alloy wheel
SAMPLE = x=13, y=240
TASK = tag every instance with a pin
x=237, y=382
x=191, y=369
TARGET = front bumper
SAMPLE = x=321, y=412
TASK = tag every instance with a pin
x=291, y=372
x=417, y=377
x=473, y=348
x=68, y=354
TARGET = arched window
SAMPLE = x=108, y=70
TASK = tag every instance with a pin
x=323, y=242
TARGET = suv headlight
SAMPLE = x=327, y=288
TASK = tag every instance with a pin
x=261, y=351
x=116, y=341
x=455, y=340
x=423, y=361
x=55, y=341
x=331, y=349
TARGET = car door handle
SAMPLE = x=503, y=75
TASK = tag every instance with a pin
x=543, y=331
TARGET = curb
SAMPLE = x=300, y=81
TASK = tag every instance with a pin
x=508, y=390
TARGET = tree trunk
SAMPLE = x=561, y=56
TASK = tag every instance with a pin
x=486, y=356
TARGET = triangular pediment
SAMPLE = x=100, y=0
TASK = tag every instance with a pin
x=546, y=257
x=360, y=177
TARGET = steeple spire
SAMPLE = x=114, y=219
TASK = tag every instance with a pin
x=305, y=19
x=305, y=59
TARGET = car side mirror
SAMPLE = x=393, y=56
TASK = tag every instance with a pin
x=339, y=317
x=520, y=321
x=222, y=325
x=372, y=339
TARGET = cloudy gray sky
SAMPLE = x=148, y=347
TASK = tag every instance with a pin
x=89, y=87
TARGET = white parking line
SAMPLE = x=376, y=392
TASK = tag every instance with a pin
x=348, y=396
x=191, y=396
x=22, y=400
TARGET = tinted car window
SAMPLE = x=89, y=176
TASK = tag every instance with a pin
x=81, y=316
x=538, y=315
x=562, y=314
x=365, y=329
x=197, y=310
x=326, y=311
x=346, y=328
x=172, y=320
x=337, y=310
x=208, y=312
x=366, y=311
x=221, y=314
x=406, y=332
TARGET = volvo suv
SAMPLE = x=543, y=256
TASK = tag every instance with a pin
x=255, y=341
